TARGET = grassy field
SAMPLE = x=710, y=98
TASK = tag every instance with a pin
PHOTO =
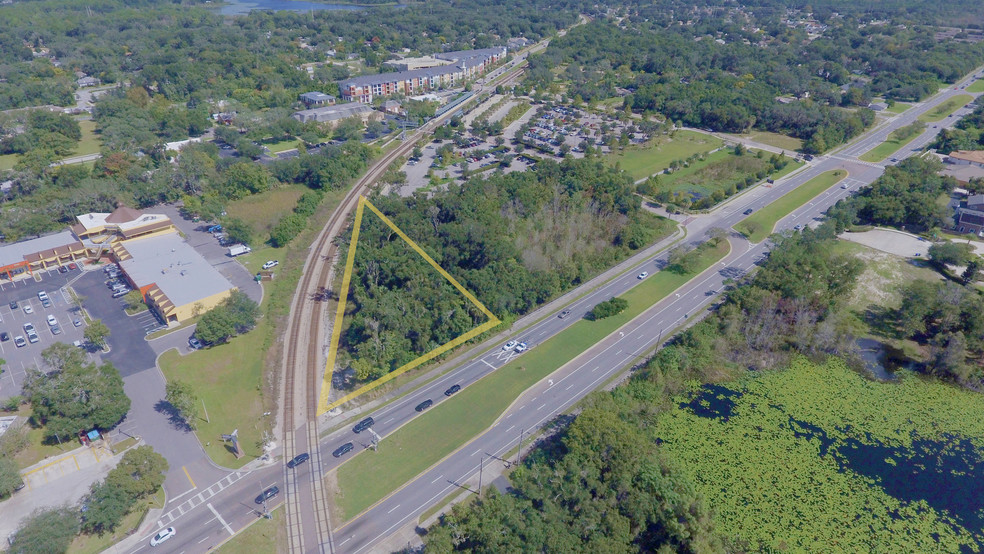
x=898, y=107
x=775, y=139
x=946, y=108
x=370, y=476
x=717, y=172
x=642, y=161
x=264, y=535
x=883, y=276
x=886, y=149
x=976, y=86
x=90, y=142
x=277, y=147
x=263, y=211
x=226, y=377
x=7, y=161
x=759, y=225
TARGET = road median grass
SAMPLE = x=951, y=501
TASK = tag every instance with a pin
x=945, y=108
x=370, y=476
x=898, y=108
x=886, y=149
x=976, y=86
x=759, y=225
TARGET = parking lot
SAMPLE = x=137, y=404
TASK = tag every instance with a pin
x=12, y=320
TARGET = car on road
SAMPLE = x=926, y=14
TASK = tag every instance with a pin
x=271, y=263
x=510, y=345
x=267, y=494
x=363, y=425
x=564, y=314
x=798, y=227
x=845, y=186
x=894, y=160
x=52, y=321
x=161, y=536
x=642, y=275
x=13, y=305
x=452, y=389
x=4, y=337
x=343, y=450
x=28, y=309
x=298, y=460
x=19, y=341
x=195, y=343
x=521, y=347
x=748, y=211
x=424, y=405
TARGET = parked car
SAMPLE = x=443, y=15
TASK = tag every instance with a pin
x=46, y=303
x=28, y=309
x=52, y=321
x=521, y=347
x=4, y=337
x=42, y=296
x=509, y=345
x=161, y=536
x=32, y=337
x=271, y=263
x=19, y=341
x=56, y=329
x=343, y=450
x=424, y=405
x=62, y=269
x=363, y=425
x=298, y=460
x=77, y=322
x=73, y=266
x=120, y=293
x=28, y=327
x=13, y=305
x=267, y=494
x=453, y=389
x=195, y=343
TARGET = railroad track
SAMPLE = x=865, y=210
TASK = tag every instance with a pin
x=304, y=360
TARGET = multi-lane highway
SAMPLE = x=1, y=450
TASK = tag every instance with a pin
x=612, y=355
x=225, y=507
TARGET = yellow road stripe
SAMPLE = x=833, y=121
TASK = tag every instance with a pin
x=340, y=313
x=188, y=475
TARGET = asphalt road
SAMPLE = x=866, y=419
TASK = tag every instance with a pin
x=218, y=510
x=544, y=401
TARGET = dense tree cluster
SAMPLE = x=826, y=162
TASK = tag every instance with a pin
x=965, y=135
x=604, y=487
x=75, y=395
x=139, y=474
x=513, y=240
x=905, y=196
x=717, y=73
x=48, y=531
x=234, y=316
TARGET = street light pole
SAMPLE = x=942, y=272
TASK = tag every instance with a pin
x=481, y=467
x=519, y=452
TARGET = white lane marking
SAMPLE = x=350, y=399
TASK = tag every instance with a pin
x=182, y=494
x=344, y=541
x=218, y=517
x=488, y=364
x=388, y=420
x=436, y=480
x=476, y=452
x=203, y=540
x=569, y=387
x=510, y=428
x=394, y=508
x=541, y=406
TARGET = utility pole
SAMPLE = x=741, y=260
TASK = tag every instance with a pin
x=519, y=453
x=266, y=512
x=481, y=467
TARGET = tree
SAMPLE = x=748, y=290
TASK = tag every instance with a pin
x=140, y=473
x=75, y=395
x=96, y=332
x=716, y=235
x=180, y=395
x=348, y=129
x=244, y=178
x=134, y=300
x=950, y=253
x=237, y=230
x=972, y=271
x=46, y=531
x=608, y=308
x=106, y=506
x=10, y=477
x=681, y=259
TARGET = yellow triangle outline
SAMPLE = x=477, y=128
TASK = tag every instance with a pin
x=336, y=331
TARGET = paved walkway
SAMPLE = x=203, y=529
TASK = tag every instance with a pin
x=56, y=481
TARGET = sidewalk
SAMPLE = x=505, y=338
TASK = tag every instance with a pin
x=56, y=481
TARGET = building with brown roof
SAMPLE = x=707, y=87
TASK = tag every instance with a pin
x=965, y=157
